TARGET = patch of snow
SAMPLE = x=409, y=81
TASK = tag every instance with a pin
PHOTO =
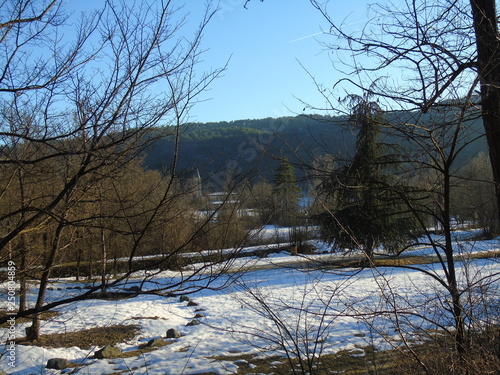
x=233, y=324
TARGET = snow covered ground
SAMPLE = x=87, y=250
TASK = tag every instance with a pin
x=236, y=323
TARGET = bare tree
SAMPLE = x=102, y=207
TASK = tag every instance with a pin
x=300, y=328
x=485, y=22
x=438, y=47
x=75, y=113
x=457, y=297
x=473, y=198
x=442, y=53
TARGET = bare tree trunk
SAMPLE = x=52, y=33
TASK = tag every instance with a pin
x=488, y=57
x=33, y=332
x=369, y=248
x=104, y=260
x=78, y=263
x=23, y=249
x=23, y=287
x=457, y=307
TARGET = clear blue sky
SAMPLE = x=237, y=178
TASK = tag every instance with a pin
x=266, y=41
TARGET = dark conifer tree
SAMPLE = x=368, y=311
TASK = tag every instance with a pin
x=366, y=209
x=286, y=193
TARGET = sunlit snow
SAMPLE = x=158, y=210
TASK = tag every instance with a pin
x=234, y=323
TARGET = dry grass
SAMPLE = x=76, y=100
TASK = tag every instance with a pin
x=46, y=315
x=398, y=261
x=87, y=338
x=435, y=356
x=345, y=362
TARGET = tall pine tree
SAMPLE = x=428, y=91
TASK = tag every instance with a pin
x=366, y=209
x=286, y=193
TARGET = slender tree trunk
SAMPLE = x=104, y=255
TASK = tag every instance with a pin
x=457, y=308
x=23, y=285
x=90, y=253
x=488, y=61
x=78, y=256
x=33, y=332
x=369, y=246
x=451, y=276
x=78, y=263
x=115, y=262
x=23, y=248
x=104, y=260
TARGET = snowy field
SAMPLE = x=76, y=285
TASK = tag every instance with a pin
x=235, y=323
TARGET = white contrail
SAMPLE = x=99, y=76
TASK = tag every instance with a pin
x=324, y=32
x=305, y=37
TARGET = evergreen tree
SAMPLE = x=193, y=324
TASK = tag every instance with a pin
x=286, y=193
x=366, y=209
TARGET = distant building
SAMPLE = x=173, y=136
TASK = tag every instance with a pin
x=194, y=185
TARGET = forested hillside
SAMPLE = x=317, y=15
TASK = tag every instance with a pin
x=252, y=146
x=249, y=144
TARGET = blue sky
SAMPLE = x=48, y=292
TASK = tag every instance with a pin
x=265, y=44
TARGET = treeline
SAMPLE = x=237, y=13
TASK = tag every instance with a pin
x=255, y=145
x=130, y=206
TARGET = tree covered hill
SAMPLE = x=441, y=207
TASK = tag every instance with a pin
x=250, y=147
